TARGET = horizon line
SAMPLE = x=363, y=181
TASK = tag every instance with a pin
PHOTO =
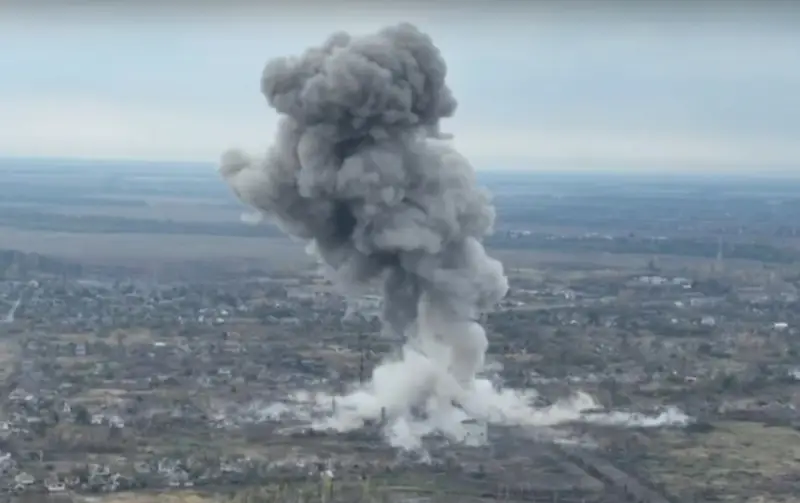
x=686, y=172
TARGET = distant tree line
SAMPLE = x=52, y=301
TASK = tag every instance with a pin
x=98, y=224
x=635, y=245
x=59, y=198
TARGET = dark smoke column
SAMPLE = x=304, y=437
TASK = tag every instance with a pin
x=360, y=169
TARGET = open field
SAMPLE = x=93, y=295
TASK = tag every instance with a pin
x=607, y=218
x=9, y=352
x=158, y=252
x=177, y=210
x=118, y=336
x=141, y=249
x=152, y=497
x=354, y=491
x=268, y=252
x=734, y=459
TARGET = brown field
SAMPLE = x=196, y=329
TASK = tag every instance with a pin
x=126, y=336
x=102, y=396
x=736, y=458
x=268, y=252
x=140, y=249
x=609, y=261
x=9, y=350
x=151, y=497
x=144, y=249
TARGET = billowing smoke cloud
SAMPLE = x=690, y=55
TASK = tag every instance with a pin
x=359, y=168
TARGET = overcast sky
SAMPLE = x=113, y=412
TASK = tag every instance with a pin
x=537, y=89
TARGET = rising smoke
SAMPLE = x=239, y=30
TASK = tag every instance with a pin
x=358, y=170
x=9, y=317
x=361, y=170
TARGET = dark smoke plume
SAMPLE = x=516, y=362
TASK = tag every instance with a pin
x=360, y=168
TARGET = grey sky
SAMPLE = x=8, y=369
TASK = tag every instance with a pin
x=538, y=89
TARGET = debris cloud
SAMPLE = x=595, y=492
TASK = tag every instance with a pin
x=361, y=170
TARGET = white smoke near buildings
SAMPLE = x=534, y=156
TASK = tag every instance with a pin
x=9, y=317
